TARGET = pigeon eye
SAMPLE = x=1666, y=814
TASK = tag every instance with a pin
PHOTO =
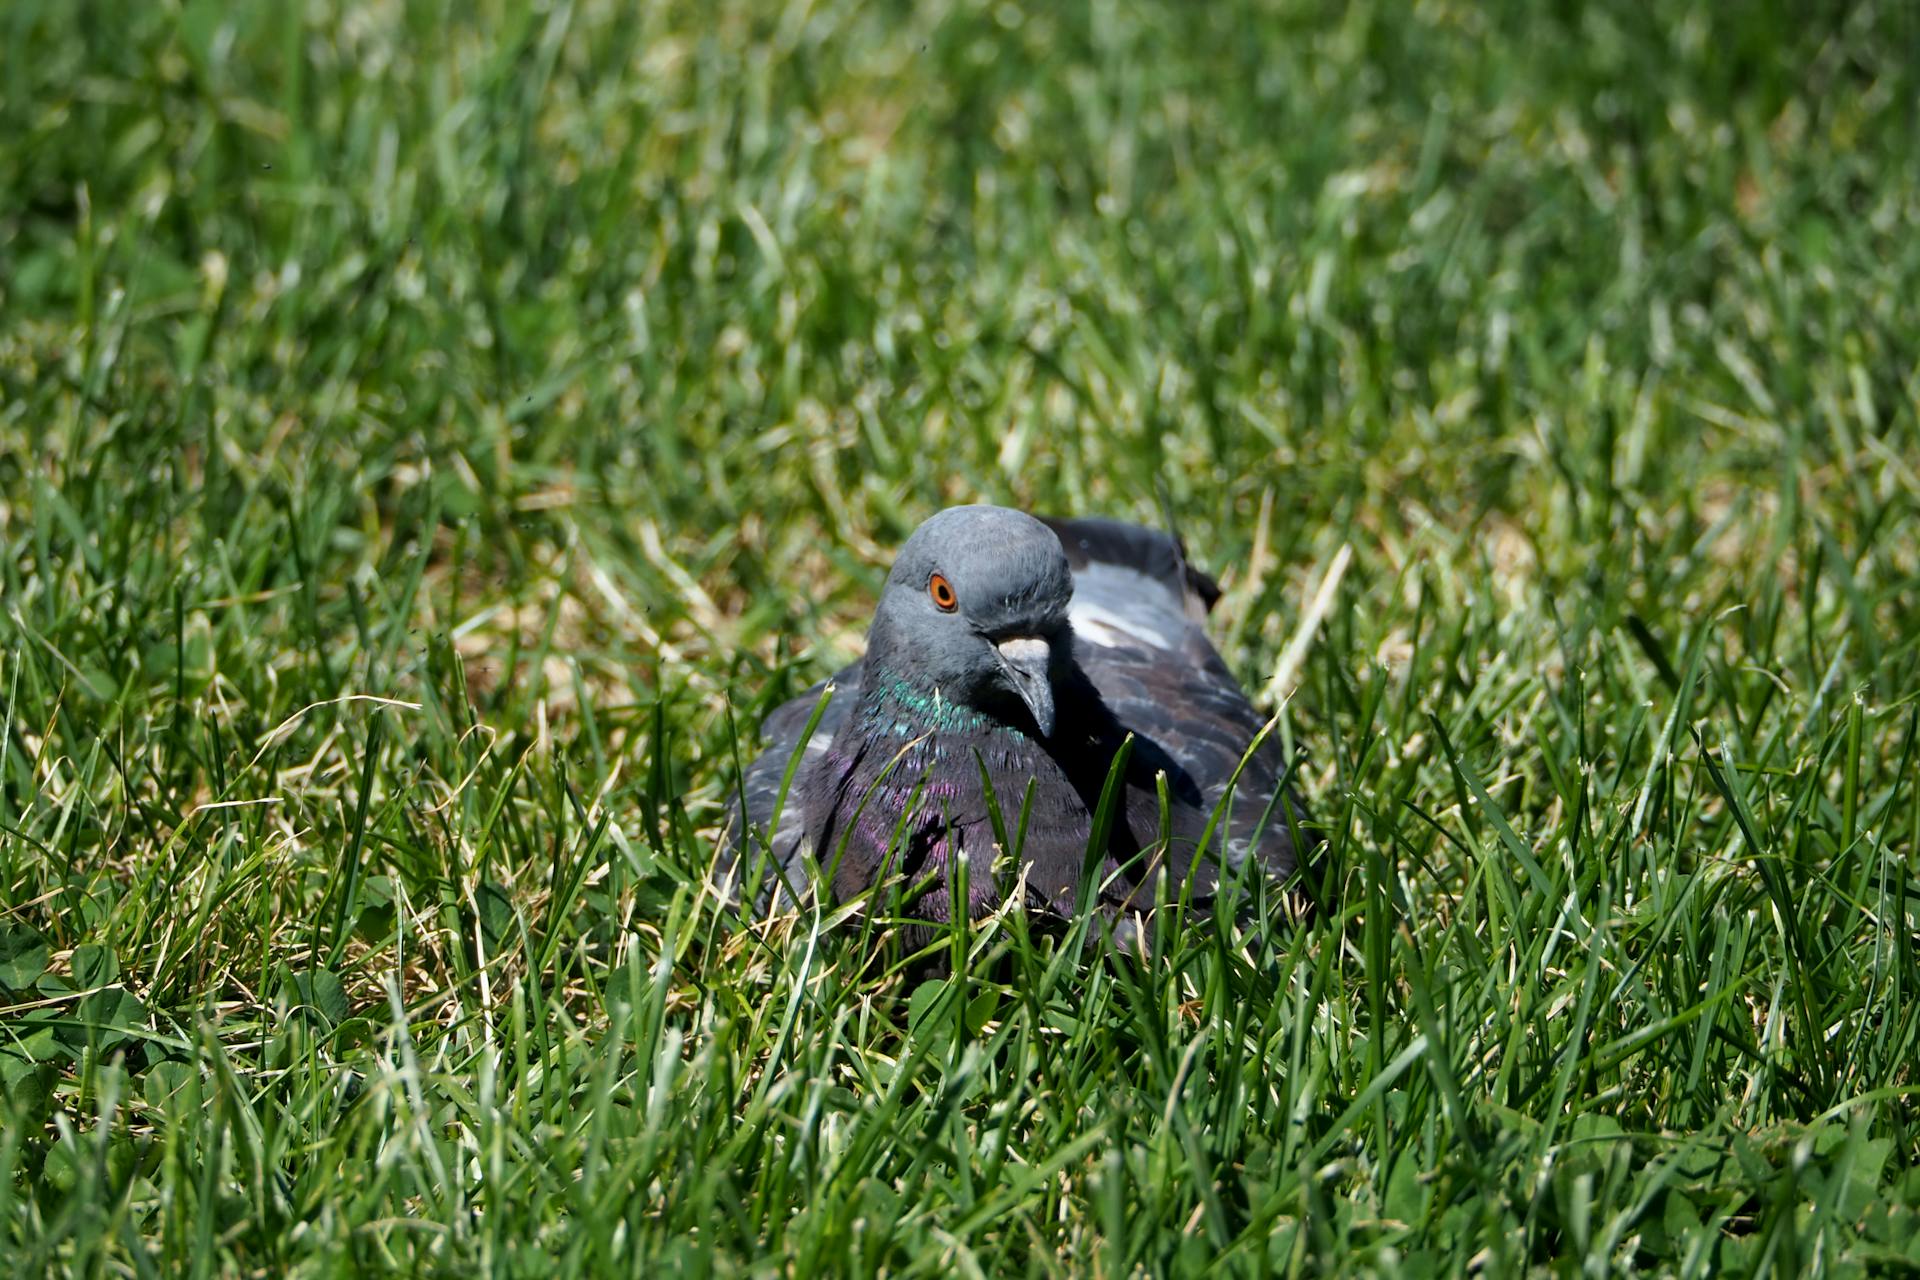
x=942, y=592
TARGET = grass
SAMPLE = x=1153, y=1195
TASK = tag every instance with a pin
x=431, y=436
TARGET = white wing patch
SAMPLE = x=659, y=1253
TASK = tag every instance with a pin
x=1115, y=606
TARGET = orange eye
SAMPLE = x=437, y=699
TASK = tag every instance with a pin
x=942, y=592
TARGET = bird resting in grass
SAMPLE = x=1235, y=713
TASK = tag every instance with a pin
x=1017, y=654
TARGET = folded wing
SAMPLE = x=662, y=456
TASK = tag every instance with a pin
x=1137, y=615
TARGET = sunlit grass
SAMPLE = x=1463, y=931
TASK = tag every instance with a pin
x=432, y=436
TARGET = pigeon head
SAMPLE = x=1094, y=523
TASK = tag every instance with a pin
x=975, y=609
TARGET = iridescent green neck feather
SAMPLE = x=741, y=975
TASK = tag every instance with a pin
x=895, y=705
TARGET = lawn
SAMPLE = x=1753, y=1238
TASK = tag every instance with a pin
x=433, y=434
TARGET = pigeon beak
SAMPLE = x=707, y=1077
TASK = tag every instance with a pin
x=1026, y=661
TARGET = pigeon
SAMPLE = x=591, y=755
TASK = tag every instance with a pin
x=1011, y=662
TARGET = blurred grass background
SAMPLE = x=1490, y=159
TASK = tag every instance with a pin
x=431, y=435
